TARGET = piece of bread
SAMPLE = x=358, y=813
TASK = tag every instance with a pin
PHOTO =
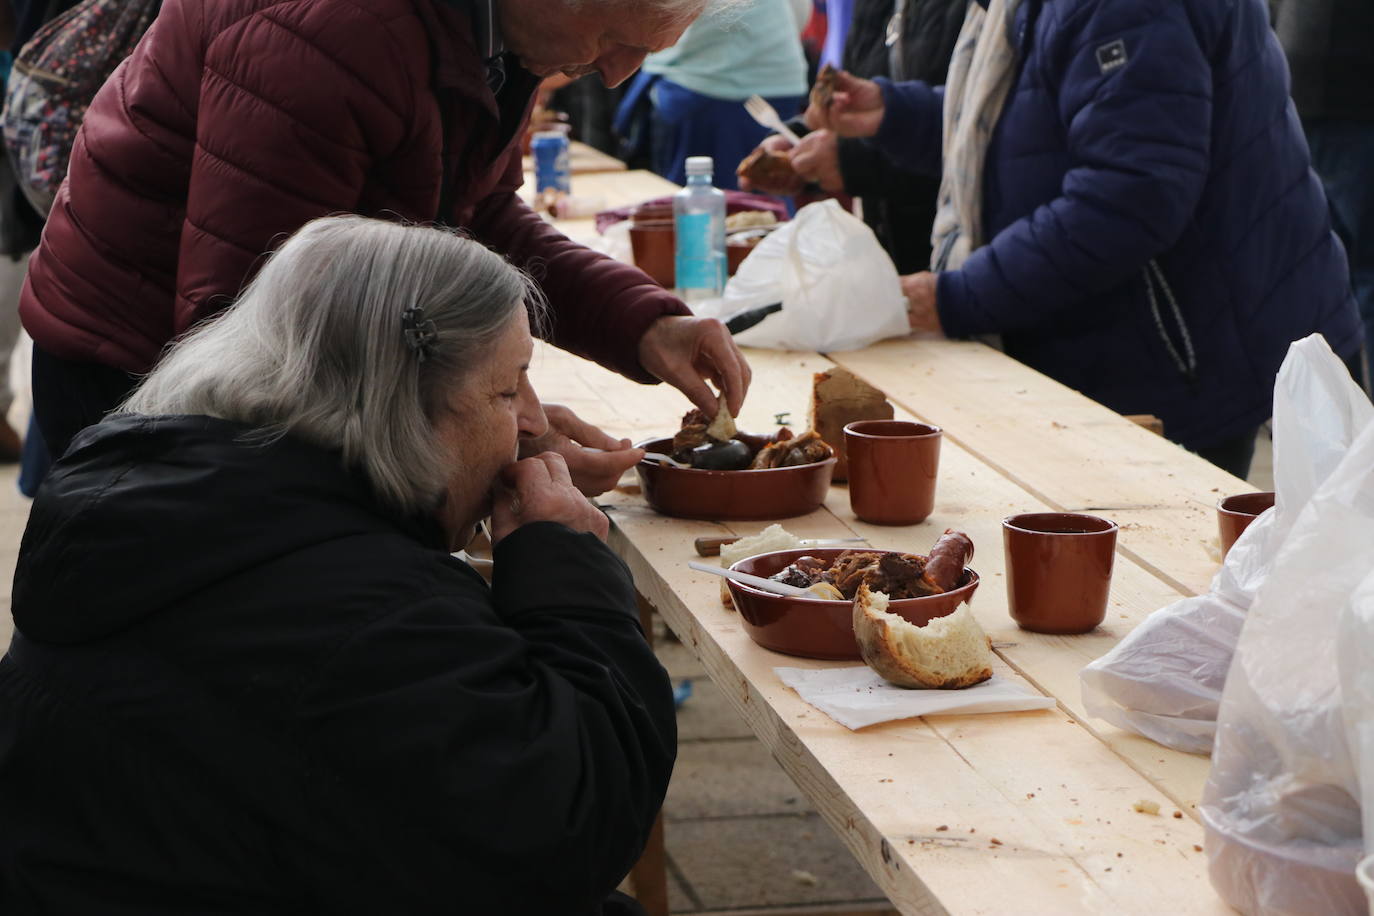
x=823, y=92
x=948, y=652
x=774, y=537
x=770, y=172
x=722, y=427
x=838, y=396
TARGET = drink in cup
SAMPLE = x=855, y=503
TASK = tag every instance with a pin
x=552, y=175
x=1059, y=570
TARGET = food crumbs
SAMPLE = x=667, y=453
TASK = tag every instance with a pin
x=1145, y=806
x=994, y=841
x=1118, y=855
x=805, y=877
x=1030, y=795
x=973, y=830
x=1178, y=814
x=1197, y=848
x=942, y=828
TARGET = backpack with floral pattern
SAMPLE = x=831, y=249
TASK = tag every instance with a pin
x=55, y=77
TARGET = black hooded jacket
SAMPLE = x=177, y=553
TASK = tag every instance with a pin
x=239, y=684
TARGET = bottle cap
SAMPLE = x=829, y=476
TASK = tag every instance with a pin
x=700, y=165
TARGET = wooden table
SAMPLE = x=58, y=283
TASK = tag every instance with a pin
x=1012, y=813
x=606, y=191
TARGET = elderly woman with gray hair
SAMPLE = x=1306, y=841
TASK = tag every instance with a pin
x=247, y=674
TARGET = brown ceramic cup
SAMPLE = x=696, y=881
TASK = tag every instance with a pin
x=1235, y=513
x=653, y=243
x=1059, y=570
x=893, y=465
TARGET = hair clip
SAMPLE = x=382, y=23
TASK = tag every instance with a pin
x=420, y=333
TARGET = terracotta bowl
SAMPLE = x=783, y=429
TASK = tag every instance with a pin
x=823, y=629
x=717, y=495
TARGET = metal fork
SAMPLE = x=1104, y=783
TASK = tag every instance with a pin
x=761, y=111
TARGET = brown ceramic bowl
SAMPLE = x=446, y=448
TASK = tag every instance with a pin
x=1235, y=513
x=717, y=495
x=823, y=629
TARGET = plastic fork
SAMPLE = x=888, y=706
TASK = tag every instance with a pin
x=761, y=111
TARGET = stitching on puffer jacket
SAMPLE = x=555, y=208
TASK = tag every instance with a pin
x=286, y=113
x=188, y=223
x=359, y=79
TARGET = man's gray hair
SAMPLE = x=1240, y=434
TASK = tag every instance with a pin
x=314, y=347
x=691, y=8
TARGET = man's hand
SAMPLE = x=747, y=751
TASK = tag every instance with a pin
x=855, y=110
x=817, y=158
x=782, y=183
x=921, y=313
x=594, y=460
x=683, y=350
x=540, y=489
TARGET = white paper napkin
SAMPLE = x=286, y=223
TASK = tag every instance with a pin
x=856, y=697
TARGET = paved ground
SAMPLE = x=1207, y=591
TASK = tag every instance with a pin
x=741, y=839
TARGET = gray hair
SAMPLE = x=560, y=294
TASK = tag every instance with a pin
x=672, y=8
x=314, y=347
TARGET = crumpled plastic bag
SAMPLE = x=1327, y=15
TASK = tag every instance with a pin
x=1281, y=807
x=1165, y=679
x=838, y=288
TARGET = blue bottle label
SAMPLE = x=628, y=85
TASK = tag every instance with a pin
x=696, y=257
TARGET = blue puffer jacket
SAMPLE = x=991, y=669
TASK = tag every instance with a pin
x=1189, y=158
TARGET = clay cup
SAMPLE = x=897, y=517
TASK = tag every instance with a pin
x=893, y=465
x=1059, y=570
x=1235, y=513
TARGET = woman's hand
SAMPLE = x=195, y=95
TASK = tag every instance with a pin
x=855, y=110
x=921, y=313
x=682, y=350
x=595, y=460
x=817, y=158
x=540, y=489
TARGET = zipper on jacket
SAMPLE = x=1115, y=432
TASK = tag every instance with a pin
x=1186, y=361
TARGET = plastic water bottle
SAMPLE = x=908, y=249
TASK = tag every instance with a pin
x=699, y=224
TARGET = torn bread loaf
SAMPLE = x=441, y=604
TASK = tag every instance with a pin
x=948, y=652
x=838, y=396
x=774, y=537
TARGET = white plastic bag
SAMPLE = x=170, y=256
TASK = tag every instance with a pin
x=1164, y=680
x=1281, y=806
x=838, y=287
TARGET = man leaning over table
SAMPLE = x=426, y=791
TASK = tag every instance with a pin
x=233, y=124
x=1127, y=200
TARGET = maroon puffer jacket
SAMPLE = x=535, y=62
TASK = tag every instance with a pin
x=235, y=122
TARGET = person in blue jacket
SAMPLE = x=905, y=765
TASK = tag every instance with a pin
x=1126, y=199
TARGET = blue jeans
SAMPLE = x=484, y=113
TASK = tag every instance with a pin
x=1343, y=157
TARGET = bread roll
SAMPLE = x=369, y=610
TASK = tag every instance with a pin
x=838, y=397
x=948, y=652
x=774, y=537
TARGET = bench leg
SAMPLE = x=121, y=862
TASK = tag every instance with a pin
x=649, y=877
